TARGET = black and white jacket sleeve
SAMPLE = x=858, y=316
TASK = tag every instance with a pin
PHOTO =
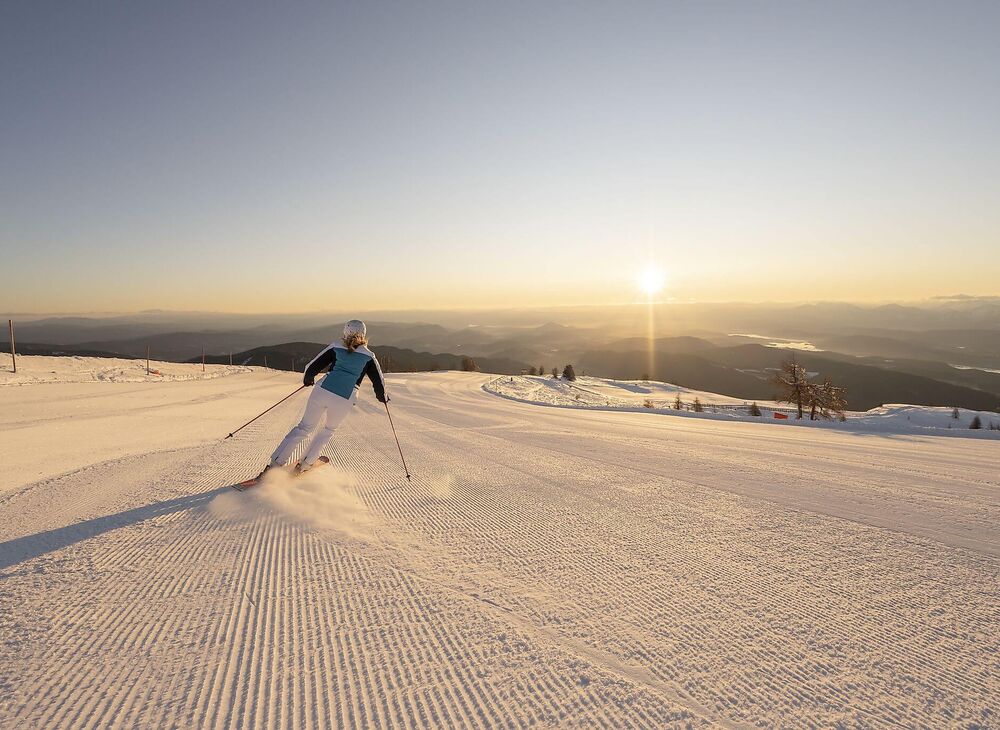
x=374, y=373
x=326, y=359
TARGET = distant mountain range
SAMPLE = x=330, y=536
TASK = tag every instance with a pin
x=745, y=371
x=296, y=355
x=944, y=352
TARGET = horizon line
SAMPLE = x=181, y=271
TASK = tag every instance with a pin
x=670, y=301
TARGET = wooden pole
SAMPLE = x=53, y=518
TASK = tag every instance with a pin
x=265, y=362
x=203, y=359
x=230, y=359
x=13, y=349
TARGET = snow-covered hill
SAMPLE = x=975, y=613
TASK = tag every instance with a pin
x=633, y=395
x=35, y=369
x=604, y=392
x=549, y=567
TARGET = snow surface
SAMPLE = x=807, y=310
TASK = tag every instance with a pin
x=35, y=369
x=604, y=392
x=632, y=395
x=547, y=566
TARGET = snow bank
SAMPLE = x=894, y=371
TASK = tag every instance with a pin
x=35, y=369
x=606, y=393
x=642, y=396
x=900, y=414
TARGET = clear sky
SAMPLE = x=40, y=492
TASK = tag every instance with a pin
x=303, y=156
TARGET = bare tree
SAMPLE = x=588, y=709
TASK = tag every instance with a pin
x=793, y=386
x=469, y=365
x=812, y=401
x=833, y=398
x=825, y=400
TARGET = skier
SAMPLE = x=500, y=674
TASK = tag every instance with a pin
x=349, y=362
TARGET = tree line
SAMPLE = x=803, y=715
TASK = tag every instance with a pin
x=568, y=373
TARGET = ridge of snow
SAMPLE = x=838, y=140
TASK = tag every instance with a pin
x=631, y=395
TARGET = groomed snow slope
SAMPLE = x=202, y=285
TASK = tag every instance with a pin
x=547, y=566
x=51, y=428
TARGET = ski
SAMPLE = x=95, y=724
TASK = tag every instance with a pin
x=319, y=462
x=244, y=485
x=253, y=482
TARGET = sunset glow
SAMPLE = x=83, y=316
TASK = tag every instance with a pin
x=414, y=181
x=651, y=280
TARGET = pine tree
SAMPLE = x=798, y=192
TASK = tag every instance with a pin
x=976, y=423
x=677, y=403
x=532, y=371
x=469, y=365
x=754, y=409
x=555, y=373
x=568, y=373
x=697, y=407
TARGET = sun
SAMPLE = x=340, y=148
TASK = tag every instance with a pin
x=651, y=280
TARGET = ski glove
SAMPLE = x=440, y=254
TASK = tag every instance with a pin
x=308, y=380
x=382, y=398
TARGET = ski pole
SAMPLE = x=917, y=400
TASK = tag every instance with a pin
x=258, y=416
x=401, y=457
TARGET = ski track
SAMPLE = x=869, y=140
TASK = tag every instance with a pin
x=542, y=568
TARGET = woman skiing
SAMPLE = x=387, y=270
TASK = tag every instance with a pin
x=349, y=362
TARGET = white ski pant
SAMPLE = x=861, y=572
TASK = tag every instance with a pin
x=323, y=407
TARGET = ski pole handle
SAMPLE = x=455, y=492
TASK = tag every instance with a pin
x=258, y=416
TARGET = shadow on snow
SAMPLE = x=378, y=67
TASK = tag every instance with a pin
x=25, y=548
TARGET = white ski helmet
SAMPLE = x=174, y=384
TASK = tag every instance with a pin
x=355, y=327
